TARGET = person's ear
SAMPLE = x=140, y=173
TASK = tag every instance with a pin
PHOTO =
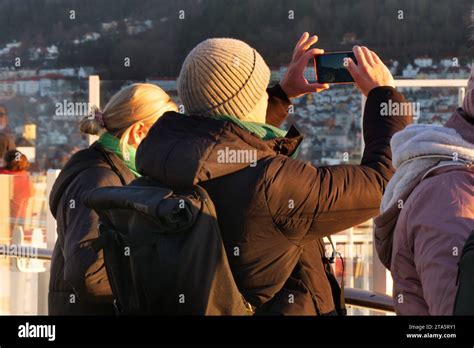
x=137, y=139
x=143, y=131
x=137, y=133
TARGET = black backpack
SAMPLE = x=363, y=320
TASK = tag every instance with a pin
x=464, y=304
x=163, y=251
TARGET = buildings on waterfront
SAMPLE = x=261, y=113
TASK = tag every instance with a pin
x=330, y=121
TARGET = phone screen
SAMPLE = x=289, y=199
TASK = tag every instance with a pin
x=331, y=67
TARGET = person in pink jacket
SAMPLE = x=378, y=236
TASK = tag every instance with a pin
x=427, y=211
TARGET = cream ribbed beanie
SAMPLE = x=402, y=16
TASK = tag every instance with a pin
x=222, y=77
x=468, y=103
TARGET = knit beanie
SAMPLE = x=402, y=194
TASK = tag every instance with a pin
x=468, y=104
x=222, y=77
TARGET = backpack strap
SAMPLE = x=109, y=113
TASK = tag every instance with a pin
x=337, y=290
x=98, y=243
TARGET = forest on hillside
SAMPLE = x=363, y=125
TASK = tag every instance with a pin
x=397, y=29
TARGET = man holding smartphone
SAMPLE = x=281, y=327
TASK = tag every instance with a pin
x=272, y=213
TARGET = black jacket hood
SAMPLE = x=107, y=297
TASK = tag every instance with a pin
x=94, y=156
x=181, y=151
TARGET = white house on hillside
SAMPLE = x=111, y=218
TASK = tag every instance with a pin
x=410, y=72
x=423, y=62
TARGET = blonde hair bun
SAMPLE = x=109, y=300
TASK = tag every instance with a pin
x=90, y=126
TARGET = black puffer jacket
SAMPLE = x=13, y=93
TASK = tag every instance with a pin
x=273, y=215
x=73, y=261
x=79, y=283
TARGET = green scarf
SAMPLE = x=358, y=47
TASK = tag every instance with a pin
x=112, y=143
x=262, y=130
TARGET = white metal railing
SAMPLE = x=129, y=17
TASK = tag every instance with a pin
x=458, y=83
x=431, y=83
x=94, y=99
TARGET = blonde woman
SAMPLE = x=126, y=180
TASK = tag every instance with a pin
x=79, y=284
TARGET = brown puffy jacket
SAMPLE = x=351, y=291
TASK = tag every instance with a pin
x=273, y=215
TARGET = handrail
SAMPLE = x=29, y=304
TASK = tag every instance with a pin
x=459, y=83
x=36, y=253
x=353, y=297
x=369, y=300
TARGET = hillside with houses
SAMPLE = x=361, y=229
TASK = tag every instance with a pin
x=124, y=42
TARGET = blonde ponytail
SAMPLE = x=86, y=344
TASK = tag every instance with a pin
x=91, y=124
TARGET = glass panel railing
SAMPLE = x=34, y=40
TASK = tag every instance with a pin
x=23, y=208
x=109, y=87
x=353, y=265
x=432, y=105
x=23, y=228
x=43, y=117
x=23, y=286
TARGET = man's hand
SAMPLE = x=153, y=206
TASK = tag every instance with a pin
x=294, y=83
x=370, y=71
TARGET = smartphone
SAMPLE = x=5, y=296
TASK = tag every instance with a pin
x=332, y=67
